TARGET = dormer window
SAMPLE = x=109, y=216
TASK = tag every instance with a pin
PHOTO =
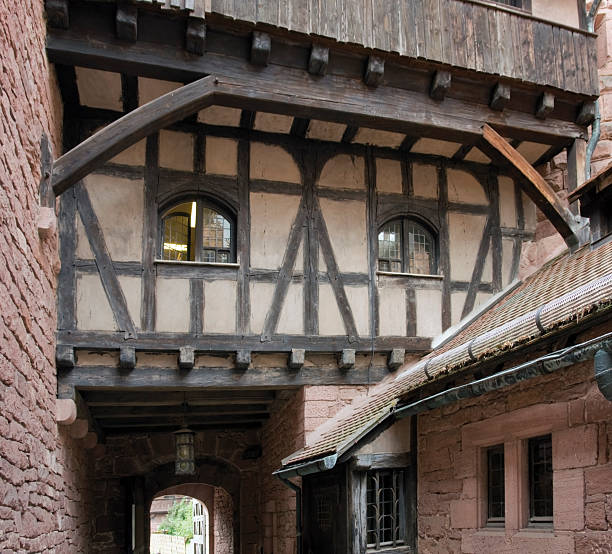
x=406, y=246
x=197, y=231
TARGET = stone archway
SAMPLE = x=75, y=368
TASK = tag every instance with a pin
x=211, y=472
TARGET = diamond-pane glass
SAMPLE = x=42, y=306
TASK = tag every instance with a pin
x=420, y=248
x=383, y=510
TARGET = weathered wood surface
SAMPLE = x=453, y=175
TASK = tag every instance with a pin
x=462, y=33
x=534, y=185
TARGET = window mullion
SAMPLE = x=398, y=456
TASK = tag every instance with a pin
x=405, y=248
x=198, y=231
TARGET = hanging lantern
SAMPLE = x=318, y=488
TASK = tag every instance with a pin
x=185, y=452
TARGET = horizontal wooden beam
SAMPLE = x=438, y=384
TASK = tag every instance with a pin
x=101, y=399
x=535, y=186
x=336, y=98
x=171, y=343
x=128, y=412
x=89, y=378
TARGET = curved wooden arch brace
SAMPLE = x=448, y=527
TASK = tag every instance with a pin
x=534, y=185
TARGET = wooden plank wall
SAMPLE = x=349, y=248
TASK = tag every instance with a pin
x=454, y=32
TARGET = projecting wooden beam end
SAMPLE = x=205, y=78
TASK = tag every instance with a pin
x=261, y=46
x=546, y=105
x=79, y=429
x=396, y=358
x=65, y=411
x=64, y=356
x=319, y=58
x=297, y=358
x=127, y=357
x=346, y=359
x=195, y=36
x=586, y=115
x=500, y=97
x=440, y=85
x=126, y=22
x=243, y=359
x=186, y=357
x=375, y=71
x=57, y=14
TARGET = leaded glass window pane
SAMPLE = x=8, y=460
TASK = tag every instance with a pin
x=420, y=249
x=177, y=234
x=384, y=497
x=540, y=480
x=390, y=247
x=495, y=485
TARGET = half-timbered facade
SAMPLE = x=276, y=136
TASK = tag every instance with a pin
x=266, y=211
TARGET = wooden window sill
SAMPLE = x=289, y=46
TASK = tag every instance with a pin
x=400, y=274
x=205, y=264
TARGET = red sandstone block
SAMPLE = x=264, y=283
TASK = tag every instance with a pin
x=595, y=516
x=575, y=447
x=576, y=412
x=594, y=543
x=464, y=514
x=597, y=407
x=598, y=479
x=568, y=499
x=320, y=393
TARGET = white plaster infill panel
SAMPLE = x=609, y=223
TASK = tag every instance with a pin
x=291, y=318
x=219, y=307
x=325, y=130
x=343, y=171
x=330, y=320
x=99, y=89
x=465, y=234
x=93, y=312
x=221, y=156
x=172, y=308
x=150, y=89
x=463, y=187
x=272, y=122
x=389, y=176
x=273, y=163
x=271, y=218
x=507, y=203
x=176, y=150
x=392, y=311
x=425, y=180
x=261, y=300
x=220, y=115
x=429, y=312
x=346, y=225
x=134, y=155
x=118, y=204
x=359, y=302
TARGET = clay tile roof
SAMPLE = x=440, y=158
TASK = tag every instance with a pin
x=561, y=293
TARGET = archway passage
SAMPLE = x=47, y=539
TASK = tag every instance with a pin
x=191, y=518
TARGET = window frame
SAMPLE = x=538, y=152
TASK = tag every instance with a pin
x=495, y=521
x=405, y=221
x=533, y=520
x=399, y=509
x=525, y=6
x=202, y=202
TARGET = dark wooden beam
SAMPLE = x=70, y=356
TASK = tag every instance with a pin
x=261, y=46
x=195, y=36
x=546, y=104
x=500, y=96
x=212, y=399
x=57, y=13
x=126, y=21
x=534, y=185
x=299, y=127
x=170, y=343
x=129, y=412
x=104, y=378
x=64, y=356
x=349, y=134
x=247, y=119
x=375, y=71
x=440, y=85
x=127, y=357
x=318, y=60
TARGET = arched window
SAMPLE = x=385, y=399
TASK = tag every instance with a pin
x=406, y=246
x=197, y=231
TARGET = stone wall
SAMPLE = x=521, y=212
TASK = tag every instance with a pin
x=222, y=522
x=44, y=504
x=451, y=491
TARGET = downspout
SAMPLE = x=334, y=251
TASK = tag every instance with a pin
x=596, y=128
x=298, y=510
x=599, y=349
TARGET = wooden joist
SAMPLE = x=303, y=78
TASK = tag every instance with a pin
x=396, y=358
x=375, y=71
x=440, y=85
x=195, y=36
x=500, y=97
x=261, y=46
x=546, y=105
x=126, y=22
x=533, y=184
x=319, y=58
x=186, y=357
x=58, y=14
x=127, y=357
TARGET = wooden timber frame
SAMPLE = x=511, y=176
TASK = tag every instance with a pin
x=328, y=104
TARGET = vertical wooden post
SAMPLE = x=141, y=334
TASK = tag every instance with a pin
x=141, y=543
